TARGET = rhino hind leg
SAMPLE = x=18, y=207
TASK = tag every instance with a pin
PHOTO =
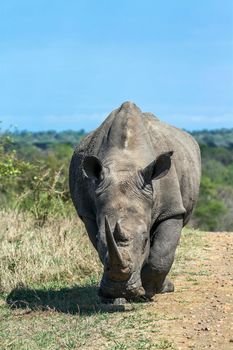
x=161, y=257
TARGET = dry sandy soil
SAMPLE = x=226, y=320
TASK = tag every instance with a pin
x=203, y=303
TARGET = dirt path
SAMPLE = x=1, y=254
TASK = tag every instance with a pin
x=201, y=309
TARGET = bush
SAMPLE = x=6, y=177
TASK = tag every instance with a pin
x=209, y=208
x=40, y=188
x=34, y=175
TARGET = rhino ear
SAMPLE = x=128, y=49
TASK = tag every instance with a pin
x=92, y=167
x=158, y=168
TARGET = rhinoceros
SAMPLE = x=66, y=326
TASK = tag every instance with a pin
x=134, y=182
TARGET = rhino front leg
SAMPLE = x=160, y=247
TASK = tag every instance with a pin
x=161, y=257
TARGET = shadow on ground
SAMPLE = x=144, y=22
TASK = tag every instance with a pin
x=75, y=300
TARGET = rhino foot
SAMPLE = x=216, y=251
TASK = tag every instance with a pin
x=167, y=287
x=142, y=299
x=112, y=301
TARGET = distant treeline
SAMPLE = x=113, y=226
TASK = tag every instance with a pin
x=215, y=138
x=44, y=139
x=34, y=174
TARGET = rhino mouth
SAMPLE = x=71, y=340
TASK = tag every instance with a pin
x=129, y=290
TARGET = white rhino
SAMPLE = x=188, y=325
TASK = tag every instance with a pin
x=134, y=182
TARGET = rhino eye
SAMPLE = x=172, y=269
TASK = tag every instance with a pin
x=146, y=188
x=101, y=185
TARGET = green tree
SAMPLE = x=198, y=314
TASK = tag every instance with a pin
x=210, y=208
x=10, y=166
x=39, y=186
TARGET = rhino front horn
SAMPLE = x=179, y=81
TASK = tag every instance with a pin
x=115, y=257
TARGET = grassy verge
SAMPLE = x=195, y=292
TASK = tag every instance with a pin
x=48, y=291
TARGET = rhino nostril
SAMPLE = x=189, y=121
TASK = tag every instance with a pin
x=126, y=270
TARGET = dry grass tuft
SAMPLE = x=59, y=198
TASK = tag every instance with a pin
x=57, y=254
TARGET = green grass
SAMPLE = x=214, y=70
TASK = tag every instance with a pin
x=48, y=291
x=54, y=330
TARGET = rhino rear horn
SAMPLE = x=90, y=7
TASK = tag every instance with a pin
x=118, y=233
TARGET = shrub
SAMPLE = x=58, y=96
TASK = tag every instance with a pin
x=209, y=208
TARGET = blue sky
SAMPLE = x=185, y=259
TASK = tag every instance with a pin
x=68, y=64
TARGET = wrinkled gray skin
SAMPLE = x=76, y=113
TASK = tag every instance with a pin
x=134, y=182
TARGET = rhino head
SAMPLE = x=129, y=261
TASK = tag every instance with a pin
x=123, y=194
